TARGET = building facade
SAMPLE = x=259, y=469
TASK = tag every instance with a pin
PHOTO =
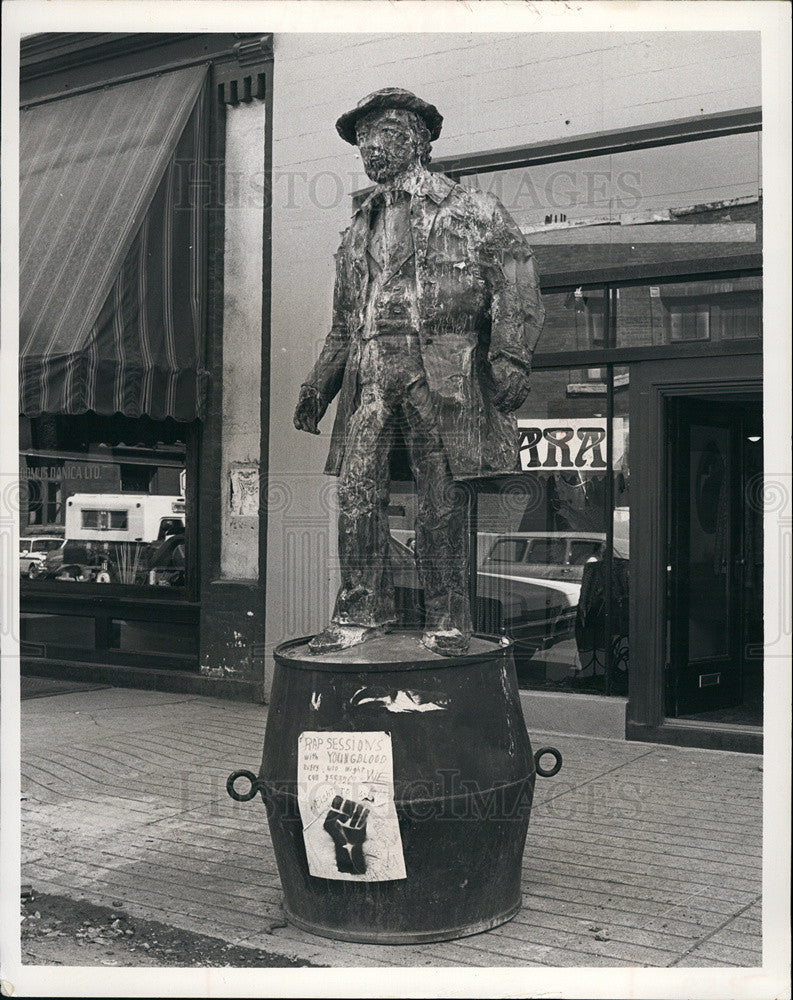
x=144, y=309
x=625, y=558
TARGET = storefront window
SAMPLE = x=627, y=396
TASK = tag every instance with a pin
x=642, y=208
x=103, y=502
x=538, y=532
x=677, y=312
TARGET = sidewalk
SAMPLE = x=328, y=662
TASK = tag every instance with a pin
x=637, y=854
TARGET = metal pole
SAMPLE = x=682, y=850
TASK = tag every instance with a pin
x=609, y=498
x=473, y=554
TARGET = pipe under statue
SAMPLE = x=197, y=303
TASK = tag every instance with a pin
x=436, y=314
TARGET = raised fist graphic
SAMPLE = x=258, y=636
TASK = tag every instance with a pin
x=346, y=824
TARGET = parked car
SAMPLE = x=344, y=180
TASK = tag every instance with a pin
x=534, y=612
x=557, y=555
x=112, y=538
x=33, y=551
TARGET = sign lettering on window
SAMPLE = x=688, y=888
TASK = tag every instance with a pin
x=574, y=445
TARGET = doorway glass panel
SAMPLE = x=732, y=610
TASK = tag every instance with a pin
x=715, y=560
x=709, y=543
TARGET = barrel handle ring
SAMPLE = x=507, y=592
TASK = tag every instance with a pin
x=242, y=796
x=557, y=766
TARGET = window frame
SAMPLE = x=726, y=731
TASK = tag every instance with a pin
x=602, y=356
x=31, y=590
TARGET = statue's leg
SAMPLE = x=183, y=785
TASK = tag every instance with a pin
x=441, y=529
x=366, y=596
x=365, y=601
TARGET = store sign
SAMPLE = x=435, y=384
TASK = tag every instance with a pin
x=575, y=445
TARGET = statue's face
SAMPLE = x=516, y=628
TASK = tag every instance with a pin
x=389, y=144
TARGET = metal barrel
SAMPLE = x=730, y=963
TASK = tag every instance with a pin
x=463, y=783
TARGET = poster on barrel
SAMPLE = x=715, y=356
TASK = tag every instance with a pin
x=346, y=801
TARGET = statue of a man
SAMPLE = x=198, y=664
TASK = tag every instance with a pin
x=436, y=314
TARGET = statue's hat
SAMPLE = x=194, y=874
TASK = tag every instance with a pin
x=382, y=100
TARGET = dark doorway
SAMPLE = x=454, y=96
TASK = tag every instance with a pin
x=715, y=560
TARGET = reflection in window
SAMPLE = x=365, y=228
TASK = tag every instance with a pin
x=536, y=531
x=627, y=186
x=80, y=472
x=574, y=321
x=508, y=550
x=675, y=312
x=135, y=478
x=687, y=319
x=582, y=552
x=105, y=520
x=604, y=598
x=548, y=550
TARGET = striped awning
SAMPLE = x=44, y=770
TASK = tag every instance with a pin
x=112, y=250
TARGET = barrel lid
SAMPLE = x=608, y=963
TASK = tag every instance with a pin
x=398, y=650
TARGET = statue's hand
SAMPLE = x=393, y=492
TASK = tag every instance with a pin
x=309, y=410
x=511, y=382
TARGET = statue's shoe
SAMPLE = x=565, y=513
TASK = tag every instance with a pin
x=447, y=642
x=336, y=637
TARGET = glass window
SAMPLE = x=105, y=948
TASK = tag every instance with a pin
x=581, y=552
x=620, y=595
x=650, y=207
x=547, y=550
x=662, y=184
x=676, y=312
x=574, y=321
x=603, y=603
x=507, y=550
x=100, y=531
x=546, y=520
x=104, y=520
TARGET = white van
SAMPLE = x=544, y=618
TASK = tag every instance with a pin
x=123, y=517
x=110, y=537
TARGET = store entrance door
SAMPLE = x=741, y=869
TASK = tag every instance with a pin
x=715, y=564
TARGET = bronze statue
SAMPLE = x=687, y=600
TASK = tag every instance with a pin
x=436, y=313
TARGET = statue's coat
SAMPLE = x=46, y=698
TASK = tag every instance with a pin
x=478, y=298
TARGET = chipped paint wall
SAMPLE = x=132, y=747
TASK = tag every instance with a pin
x=494, y=91
x=242, y=343
x=232, y=603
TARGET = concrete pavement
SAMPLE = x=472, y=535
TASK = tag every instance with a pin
x=637, y=854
